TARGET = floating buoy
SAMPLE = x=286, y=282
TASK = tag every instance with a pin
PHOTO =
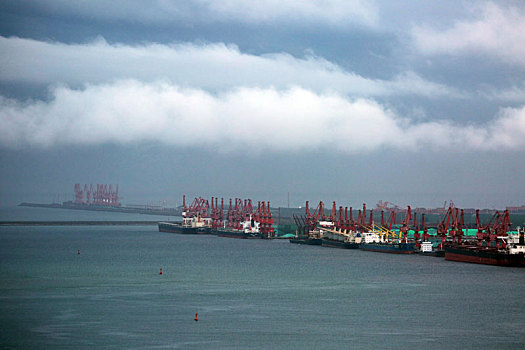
x=78, y=253
x=196, y=317
x=160, y=271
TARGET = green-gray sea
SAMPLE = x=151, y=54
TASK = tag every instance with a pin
x=249, y=294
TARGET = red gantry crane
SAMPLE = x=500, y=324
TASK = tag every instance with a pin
x=416, y=232
x=217, y=213
x=264, y=216
x=498, y=226
x=103, y=195
x=405, y=224
x=197, y=209
x=313, y=218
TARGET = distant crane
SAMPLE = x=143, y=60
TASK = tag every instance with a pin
x=102, y=194
x=387, y=206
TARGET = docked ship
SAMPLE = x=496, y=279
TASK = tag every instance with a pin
x=376, y=242
x=195, y=219
x=340, y=238
x=313, y=238
x=193, y=225
x=250, y=229
x=428, y=250
x=511, y=253
x=306, y=232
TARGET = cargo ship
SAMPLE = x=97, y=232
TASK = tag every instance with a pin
x=427, y=249
x=306, y=232
x=512, y=253
x=312, y=238
x=193, y=225
x=306, y=240
x=250, y=229
x=374, y=243
x=393, y=248
x=334, y=238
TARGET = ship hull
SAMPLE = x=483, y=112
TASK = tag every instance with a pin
x=339, y=244
x=308, y=241
x=393, y=248
x=437, y=253
x=485, y=256
x=238, y=234
x=179, y=228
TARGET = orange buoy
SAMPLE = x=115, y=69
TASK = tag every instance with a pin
x=196, y=317
x=160, y=271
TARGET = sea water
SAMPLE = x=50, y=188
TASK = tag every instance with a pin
x=249, y=294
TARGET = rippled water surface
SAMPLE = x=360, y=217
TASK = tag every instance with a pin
x=249, y=294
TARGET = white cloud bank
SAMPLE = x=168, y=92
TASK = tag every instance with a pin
x=499, y=32
x=210, y=67
x=241, y=120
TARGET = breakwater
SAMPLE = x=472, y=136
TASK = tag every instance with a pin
x=76, y=223
x=121, y=209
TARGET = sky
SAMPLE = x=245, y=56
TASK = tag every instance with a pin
x=412, y=102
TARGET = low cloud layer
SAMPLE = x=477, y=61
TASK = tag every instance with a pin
x=240, y=120
x=211, y=67
x=497, y=31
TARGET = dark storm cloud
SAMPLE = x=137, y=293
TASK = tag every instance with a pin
x=328, y=12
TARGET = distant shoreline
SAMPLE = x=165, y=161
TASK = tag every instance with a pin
x=77, y=223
